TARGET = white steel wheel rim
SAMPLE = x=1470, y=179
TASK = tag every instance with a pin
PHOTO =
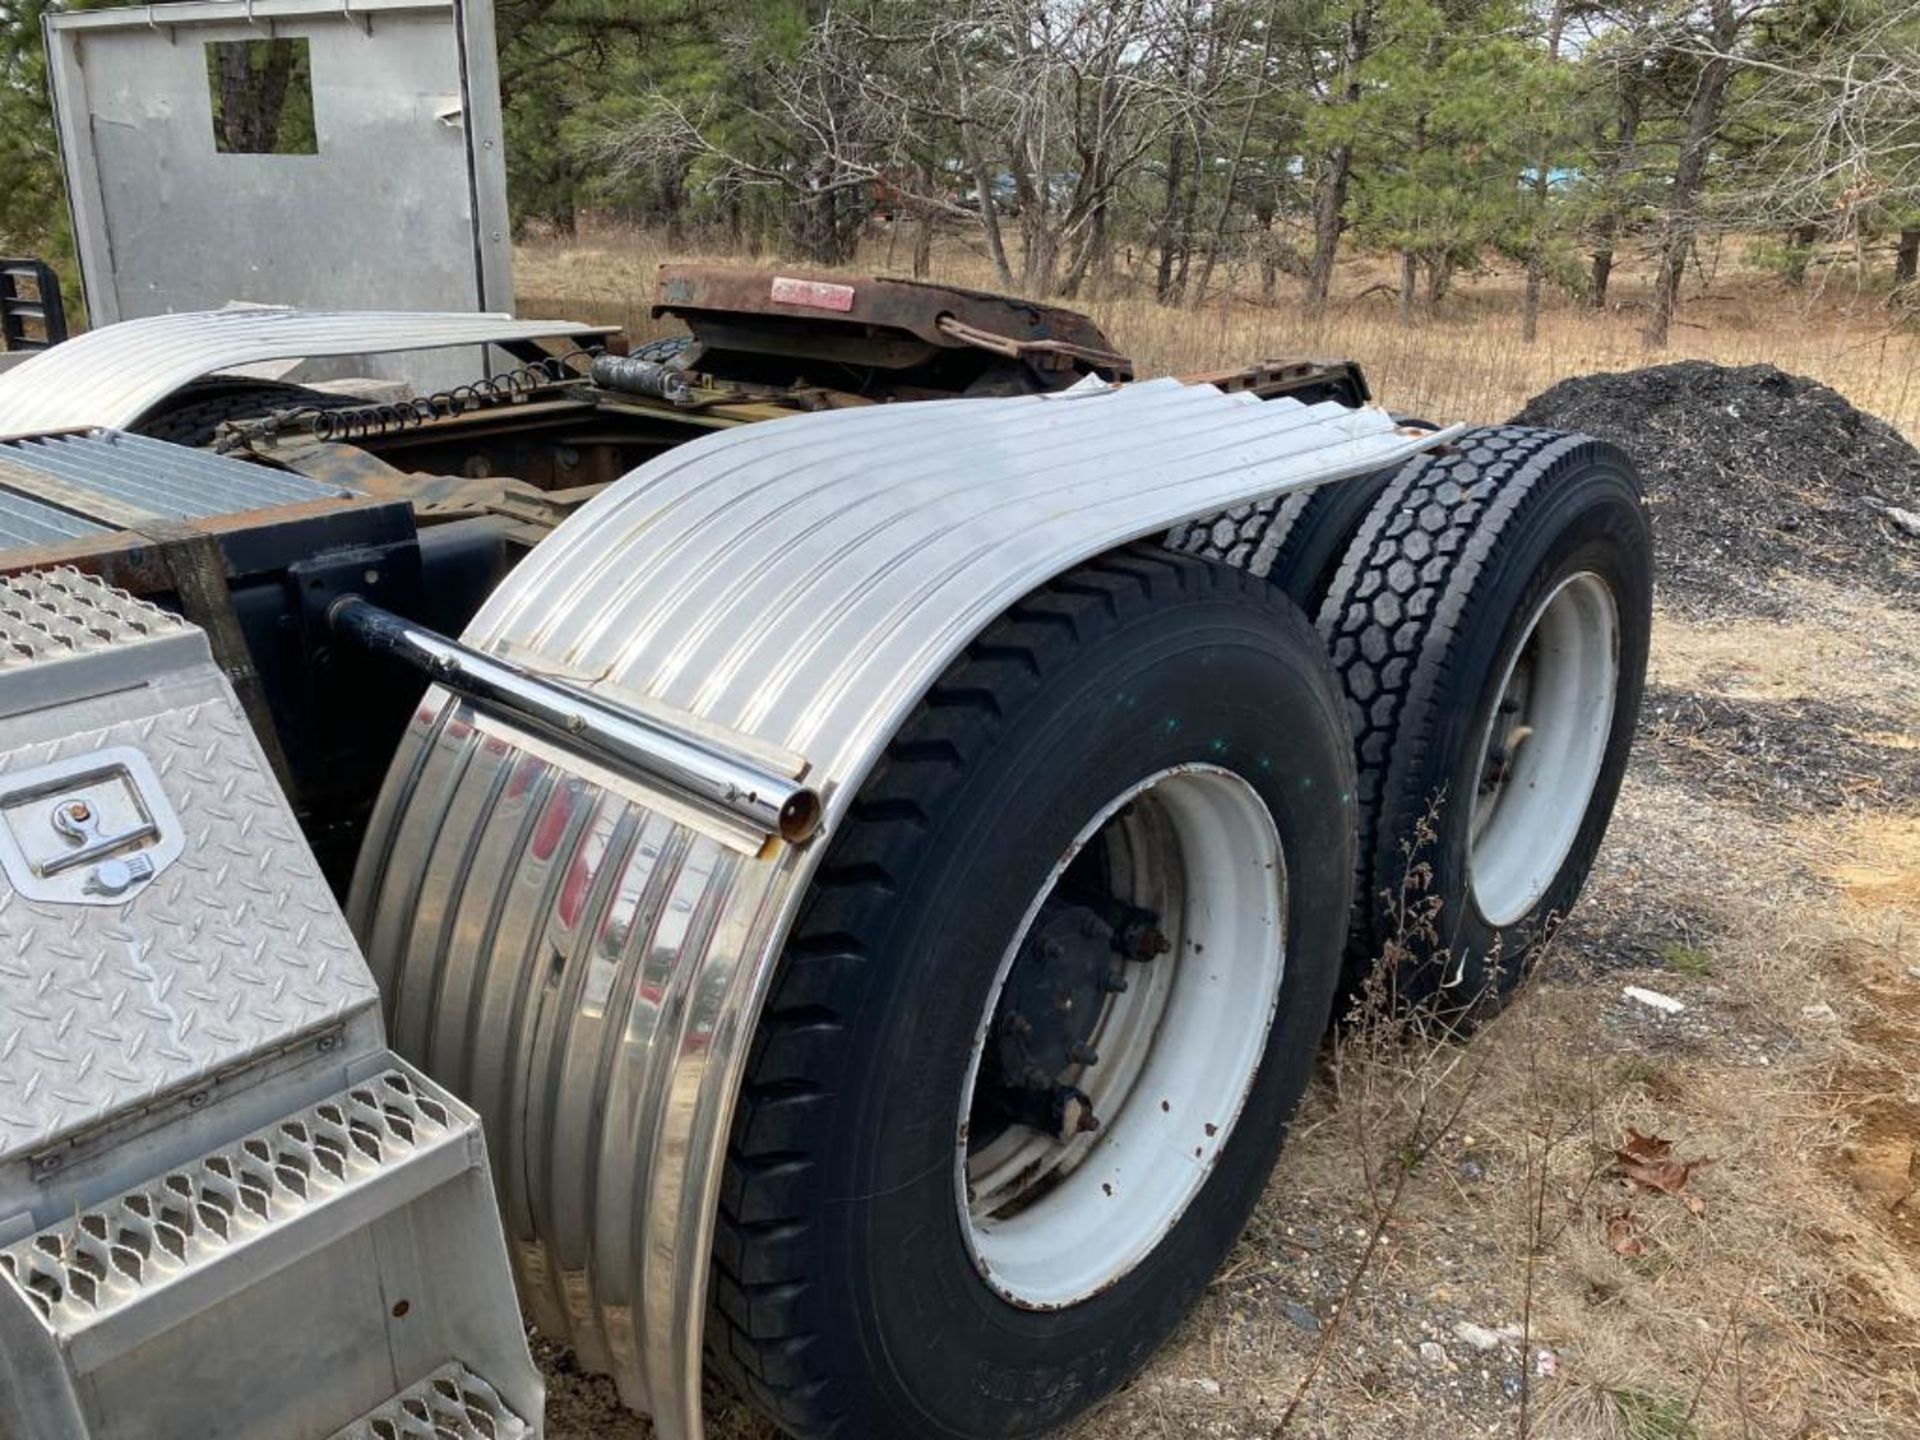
x=1181, y=1049
x=1552, y=717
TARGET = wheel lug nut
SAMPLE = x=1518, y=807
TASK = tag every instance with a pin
x=1083, y=1054
x=1113, y=984
x=1151, y=944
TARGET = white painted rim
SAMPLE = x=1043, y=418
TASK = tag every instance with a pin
x=1558, y=691
x=1049, y=1225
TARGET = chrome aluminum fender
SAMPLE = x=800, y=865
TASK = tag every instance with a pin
x=110, y=377
x=583, y=959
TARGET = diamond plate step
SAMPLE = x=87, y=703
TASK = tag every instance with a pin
x=453, y=1403
x=59, y=614
x=115, y=1274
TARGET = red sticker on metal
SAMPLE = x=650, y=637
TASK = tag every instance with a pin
x=815, y=294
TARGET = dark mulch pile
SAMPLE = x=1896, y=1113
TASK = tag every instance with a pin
x=1782, y=757
x=1749, y=471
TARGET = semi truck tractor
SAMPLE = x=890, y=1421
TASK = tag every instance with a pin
x=820, y=852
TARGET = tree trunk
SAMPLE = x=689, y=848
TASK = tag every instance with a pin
x=1040, y=244
x=1327, y=224
x=1409, y=279
x=923, y=243
x=1619, y=166
x=1683, y=196
x=1163, y=238
x=1439, y=278
x=1542, y=197
x=1093, y=243
x=1269, y=265
x=925, y=216
x=253, y=98
x=1331, y=198
x=1906, y=259
x=1602, y=273
x=1178, y=294
x=1269, y=262
x=989, y=212
x=1218, y=237
x=673, y=201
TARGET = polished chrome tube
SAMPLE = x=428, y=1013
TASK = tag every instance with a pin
x=577, y=720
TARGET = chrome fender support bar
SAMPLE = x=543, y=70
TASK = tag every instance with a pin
x=579, y=721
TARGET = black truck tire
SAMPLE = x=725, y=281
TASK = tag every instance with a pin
x=193, y=416
x=1296, y=540
x=1489, y=624
x=853, y=1292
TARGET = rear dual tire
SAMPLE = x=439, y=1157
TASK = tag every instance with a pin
x=1489, y=623
x=860, y=1286
x=857, y=1287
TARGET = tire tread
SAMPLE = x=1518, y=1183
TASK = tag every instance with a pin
x=1395, y=617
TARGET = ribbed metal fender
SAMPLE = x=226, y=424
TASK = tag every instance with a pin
x=584, y=962
x=112, y=376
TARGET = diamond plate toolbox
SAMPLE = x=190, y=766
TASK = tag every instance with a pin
x=163, y=921
x=227, y=1210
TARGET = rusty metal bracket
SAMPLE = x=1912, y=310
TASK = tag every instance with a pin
x=1015, y=349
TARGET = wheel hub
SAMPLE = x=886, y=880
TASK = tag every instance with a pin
x=1051, y=1011
x=1105, y=1079
x=1545, y=743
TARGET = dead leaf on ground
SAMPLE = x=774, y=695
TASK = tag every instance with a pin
x=1642, y=1162
x=1623, y=1235
x=1645, y=1147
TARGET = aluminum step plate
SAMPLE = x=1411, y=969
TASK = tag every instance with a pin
x=453, y=1403
x=159, y=1242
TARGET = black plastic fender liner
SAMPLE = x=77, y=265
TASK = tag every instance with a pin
x=1432, y=607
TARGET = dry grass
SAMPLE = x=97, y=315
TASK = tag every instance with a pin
x=1465, y=362
x=1430, y=1185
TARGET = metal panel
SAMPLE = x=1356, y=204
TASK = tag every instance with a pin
x=26, y=522
x=225, y=1207
x=453, y=1403
x=158, y=478
x=402, y=203
x=109, y=378
x=183, y=1234
x=279, y=1282
x=585, y=968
